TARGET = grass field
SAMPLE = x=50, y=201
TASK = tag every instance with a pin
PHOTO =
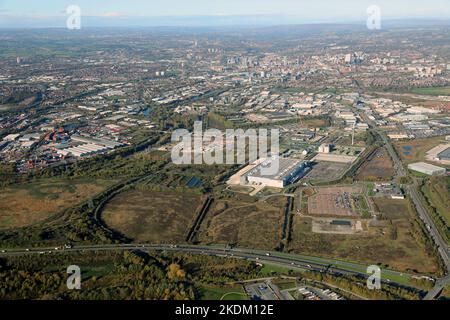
x=391, y=208
x=26, y=204
x=446, y=291
x=437, y=191
x=415, y=150
x=240, y=189
x=249, y=225
x=389, y=242
x=271, y=270
x=231, y=292
x=284, y=284
x=378, y=167
x=432, y=91
x=154, y=217
x=6, y=107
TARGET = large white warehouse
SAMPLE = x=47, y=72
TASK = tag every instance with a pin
x=426, y=168
x=289, y=171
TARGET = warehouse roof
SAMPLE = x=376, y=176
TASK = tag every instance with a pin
x=286, y=167
x=424, y=167
x=444, y=155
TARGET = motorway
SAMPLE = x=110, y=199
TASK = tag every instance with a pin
x=294, y=262
x=247, y=254
x=397, y=163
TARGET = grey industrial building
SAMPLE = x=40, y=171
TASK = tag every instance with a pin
x=444, y=155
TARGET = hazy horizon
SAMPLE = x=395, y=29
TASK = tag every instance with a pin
x=132, y=13
x=89, y=22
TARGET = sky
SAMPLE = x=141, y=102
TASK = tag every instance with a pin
x=38, y=13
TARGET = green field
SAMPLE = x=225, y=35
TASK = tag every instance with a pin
x=150, y=216
x=271, y=270
x=284, y=284
x=363, y=207
x=437, y=194
x=231, y=292
x=432, y=91
x=437, y=190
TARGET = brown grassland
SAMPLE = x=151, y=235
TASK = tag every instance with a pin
x=389, y=241
x=26, y=204
x=378, y=167
x=245, y=224
x=418, y=148
x=154, y=217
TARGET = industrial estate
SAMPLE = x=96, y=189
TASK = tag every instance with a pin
x=87, y=178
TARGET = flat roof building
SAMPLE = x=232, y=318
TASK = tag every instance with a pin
x=325, y=148
x=11, y=137
x=440, y=154
x=289, y=171
x=426, y=168
x=444, y=155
